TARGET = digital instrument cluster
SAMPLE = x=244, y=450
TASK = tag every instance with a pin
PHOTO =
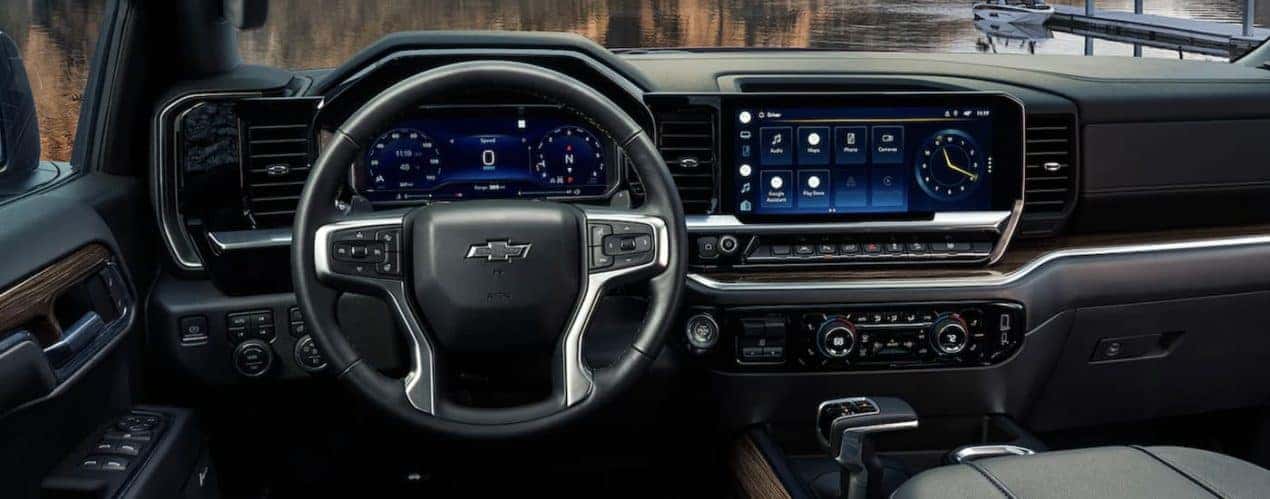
x=862, y=155
x=451, y=153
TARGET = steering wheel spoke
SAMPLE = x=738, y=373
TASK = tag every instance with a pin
x=621, y=247
x=366, y=255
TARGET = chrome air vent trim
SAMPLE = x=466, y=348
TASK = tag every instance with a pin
x=164, y=175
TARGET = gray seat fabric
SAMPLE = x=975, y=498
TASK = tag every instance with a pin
x=1154, y=472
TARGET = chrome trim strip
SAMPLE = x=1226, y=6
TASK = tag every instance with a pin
x=901, y=425
x=985, y=451
x=176, y=239
x=994, y=221
x=1003, y=221
x=577, y=377
x=1007, y=235
x=979, y=281
x=232, y=240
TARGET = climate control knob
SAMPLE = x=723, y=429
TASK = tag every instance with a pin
x=949, y=335
x=835, y=338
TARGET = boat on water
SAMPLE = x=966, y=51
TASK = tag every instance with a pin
x=1014, y=11
x=1025, y=32
x=1003, y=37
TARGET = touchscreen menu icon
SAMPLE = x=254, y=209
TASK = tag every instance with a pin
x=813, y=145
x=813, y=189
x=888, y=144
x=776, y=146
x=775, y=189
x=852, y=144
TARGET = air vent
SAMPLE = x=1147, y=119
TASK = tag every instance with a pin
x=1051, y=173
x=686, y=139
x=276, y=138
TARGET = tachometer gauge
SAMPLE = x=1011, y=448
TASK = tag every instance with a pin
x=948, y=166
x=569, y=156
x=402, y=159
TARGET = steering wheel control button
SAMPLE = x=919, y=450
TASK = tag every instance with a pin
x=391, y=266
x=355, y=235
x=390, y=238
x=600, y=260
x=632, y=260
x=307, y=355
x=702, y=332
x=367, y=252
x=619, y=245
x=597, y=233
x=253, y=358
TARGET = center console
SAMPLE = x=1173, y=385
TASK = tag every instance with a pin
x=885, y=180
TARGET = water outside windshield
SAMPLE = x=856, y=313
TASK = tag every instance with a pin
x=323, y=33
x=57, y=37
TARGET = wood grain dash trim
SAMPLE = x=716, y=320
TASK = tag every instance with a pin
x=754, y=477
x=29, y=303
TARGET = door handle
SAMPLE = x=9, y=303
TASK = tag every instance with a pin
x=75, y=339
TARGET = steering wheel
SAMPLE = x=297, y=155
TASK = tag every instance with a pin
x=488, y=276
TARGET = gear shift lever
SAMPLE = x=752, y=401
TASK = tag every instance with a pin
x=845, y=427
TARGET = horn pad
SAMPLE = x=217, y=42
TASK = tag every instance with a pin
x=492, y=276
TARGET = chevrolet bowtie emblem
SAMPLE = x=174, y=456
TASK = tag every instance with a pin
x=498, y=251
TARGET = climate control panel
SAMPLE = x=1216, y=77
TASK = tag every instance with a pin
x=859, y=337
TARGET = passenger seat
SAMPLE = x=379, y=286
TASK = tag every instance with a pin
x=1130, y=471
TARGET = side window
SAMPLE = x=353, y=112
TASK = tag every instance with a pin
x=45, y=50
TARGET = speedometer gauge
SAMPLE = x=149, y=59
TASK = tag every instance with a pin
x=568, y=156
x=402, y=159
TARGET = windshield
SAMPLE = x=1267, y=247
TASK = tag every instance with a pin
x=324, y=33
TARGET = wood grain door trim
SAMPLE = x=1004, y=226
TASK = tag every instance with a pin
x=29, y=303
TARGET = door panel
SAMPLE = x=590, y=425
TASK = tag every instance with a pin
x=67, y=321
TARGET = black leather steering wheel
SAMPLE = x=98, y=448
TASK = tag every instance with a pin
x=479, y=276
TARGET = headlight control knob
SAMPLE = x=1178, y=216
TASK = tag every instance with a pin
x=949, y=335
x=835, y=338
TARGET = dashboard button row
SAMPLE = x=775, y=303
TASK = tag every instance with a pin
x=255, y=324
x=830, y=252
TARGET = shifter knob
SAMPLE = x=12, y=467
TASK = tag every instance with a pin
x=835, y=338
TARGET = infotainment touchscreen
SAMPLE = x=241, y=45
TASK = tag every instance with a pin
x=873, y=155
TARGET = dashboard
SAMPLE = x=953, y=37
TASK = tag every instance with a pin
x=453, y=153
x=1060, y=215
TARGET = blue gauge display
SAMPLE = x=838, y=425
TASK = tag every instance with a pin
x=456, y=153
